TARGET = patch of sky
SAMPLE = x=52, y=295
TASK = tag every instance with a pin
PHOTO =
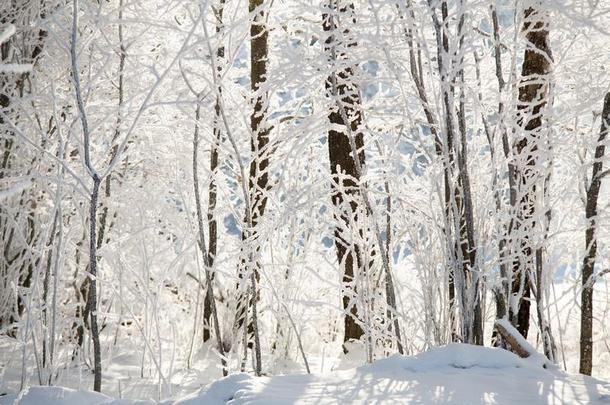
x=565, y=271
x=243, y=81
x=284, y=96
x=327, y=242
x=306, y=109
x=241, y=57
x=230, y=225
x=278, y=114
x=370, y=90
x=371, y=67
x=400, y=251
x=506, y=13
x=419, y=165
x=485, y=150
x=485, y=26
x=388, y=90
x=405, y=147
x=398, y=168
x=425, y=130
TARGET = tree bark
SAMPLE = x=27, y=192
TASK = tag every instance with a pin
x=212, y=188
x=533, y=97
x=95, y=334
x=92, y=295
x=209, y=291
x=345, y=194
x=461, y=244
x=588, y=265
x=258, y=176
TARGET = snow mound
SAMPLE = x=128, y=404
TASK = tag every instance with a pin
x=455, y=355
x=454, y=374
x=221, y=391
x=63, y=396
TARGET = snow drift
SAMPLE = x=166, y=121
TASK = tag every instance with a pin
x=456, y=374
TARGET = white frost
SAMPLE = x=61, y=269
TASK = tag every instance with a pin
x=8, y=32
x=15, y=68
x=14, y=189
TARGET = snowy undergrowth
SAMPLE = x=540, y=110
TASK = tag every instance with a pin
x=456, y=374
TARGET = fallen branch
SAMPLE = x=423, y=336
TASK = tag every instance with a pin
x=512, y=336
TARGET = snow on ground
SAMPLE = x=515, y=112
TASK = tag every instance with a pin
x=454, y=374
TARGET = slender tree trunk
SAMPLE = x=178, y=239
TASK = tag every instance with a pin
x=92, y=295
x=258, y=176
x=503, y=290
x=466, y=211
x=458, y=200
x=202, y=246
x=212, y=189
x=588, y=265
x=56, y=261
x=533, y=97
x=258, y=181
x=417, y=76
x=548, y=343
x=389, y=280
x=104, y=225
x=95, y=334
x=45, y=288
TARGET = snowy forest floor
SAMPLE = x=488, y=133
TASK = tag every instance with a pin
x=455, y=374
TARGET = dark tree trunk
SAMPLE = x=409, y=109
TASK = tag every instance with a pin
x=207, y=258
x=533, y=97
x=259, y=175
x=93, y=201
x=503, y=290
x=345, y=193
x=92, y=298
x=258, y=178
x=586, y=315
x=212, y=189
